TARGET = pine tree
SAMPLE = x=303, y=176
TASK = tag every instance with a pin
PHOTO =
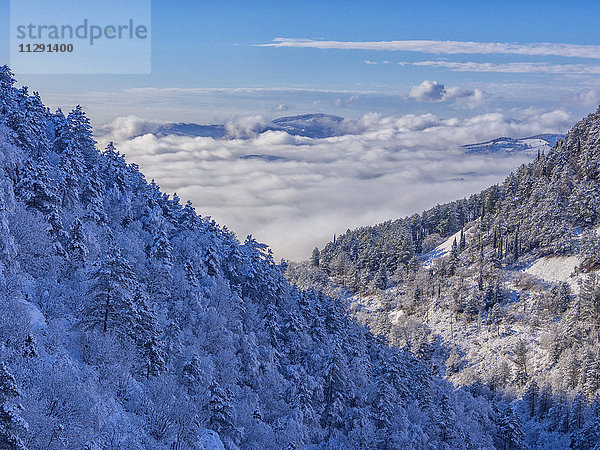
x=110, y=304
x=381, y=279
x=72, y=168
x=520, y=360
x=211, y=261
x=57, y=233
x=154, y=356
x=80, y=132
x=509, y=430
x=92, y=196
x=453, y=262
x=314, y=259
x=78, y=250
x=446, y=420
x=545, y=400
x=576, y=418
x=590, y=304
x=592, y=379
x=383, y=409
x=146, y=334
x=336, y=384
x=11, y=425
x=220, y=408
x=34, y=188
x=28, y=121
x=531, y=399
x=516, y=245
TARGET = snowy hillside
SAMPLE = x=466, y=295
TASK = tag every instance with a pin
x=530, y=145
x=498, y=292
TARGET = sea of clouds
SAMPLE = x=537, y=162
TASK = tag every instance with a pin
x=295, y=192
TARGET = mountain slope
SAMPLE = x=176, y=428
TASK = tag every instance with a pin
x=498, y=291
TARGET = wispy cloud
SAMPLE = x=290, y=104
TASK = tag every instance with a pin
x=448, y=47
x=512, y=67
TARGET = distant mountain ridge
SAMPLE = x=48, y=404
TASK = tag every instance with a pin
x=530, y=145
x=316, y=126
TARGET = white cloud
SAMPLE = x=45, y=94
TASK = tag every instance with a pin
x=433, y=91
x=390, y=167
x=587, y=96
x=243, y=127
x=448, y=47
x=125, y=127
x=428, y=91
x=513, y=67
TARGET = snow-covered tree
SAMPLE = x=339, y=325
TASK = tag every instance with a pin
x=110, y=296
x=11, y=424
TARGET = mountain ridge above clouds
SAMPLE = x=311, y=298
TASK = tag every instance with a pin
x=530, y=145
x=321, y=126
x=316, y=125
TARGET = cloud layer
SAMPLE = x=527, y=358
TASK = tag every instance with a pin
x=448, y=47
x=296, y=192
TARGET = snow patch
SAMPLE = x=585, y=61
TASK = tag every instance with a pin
x=38, y=321
x=443, y=249
x=556, y=269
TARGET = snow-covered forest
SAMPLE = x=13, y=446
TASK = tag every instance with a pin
x=128, y=321
x=499, y=292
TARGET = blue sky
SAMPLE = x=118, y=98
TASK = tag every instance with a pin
x=217, y=45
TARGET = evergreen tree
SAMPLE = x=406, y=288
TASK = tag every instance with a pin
x=520, y=360
x=220, y=408
x=576, y=418
x=112, y=283
x=78, y=250
x=57, y=233
x=11, y=425
x=446, y=420
x=531, y=399
x=211, y=261
x=72, y=168
x=509, y=431
x=34, y=188
x=80, y=133
x=92, y=196
x=545, y=400
x=314, y=259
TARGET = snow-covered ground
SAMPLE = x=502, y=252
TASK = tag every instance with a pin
x=443, y=249
x=556, y=269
